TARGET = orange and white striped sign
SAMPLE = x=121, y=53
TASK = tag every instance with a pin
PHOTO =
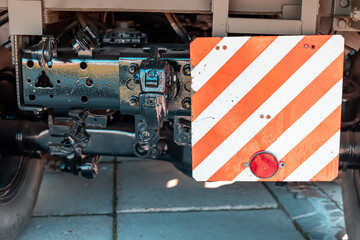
x=279, y=94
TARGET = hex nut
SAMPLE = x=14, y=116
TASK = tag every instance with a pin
x=133, y=101
x=344, y=3
x=133, y=68
x=187, y=70
x=341, y=23
x=186, y=103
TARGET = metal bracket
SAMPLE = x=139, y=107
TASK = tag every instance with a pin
x=346, y=15
x=156, y=78
x=182, y=132
x=74, y=140
x=223, y=24
x=25, y=17
x=44, y=51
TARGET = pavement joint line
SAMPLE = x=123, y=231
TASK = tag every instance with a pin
x=332, y=200
x=193, y=209
x=73, y=215
x=114, y=213
x=304, y=215
x=296, y=225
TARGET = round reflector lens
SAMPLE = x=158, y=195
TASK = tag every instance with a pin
x=264, y=165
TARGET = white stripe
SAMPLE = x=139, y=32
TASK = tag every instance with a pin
x=263, y=64
x=302, y=127
x=215, y=59
x=316, y=162
x=246, y=175
x=272, y=106
x=308, y=122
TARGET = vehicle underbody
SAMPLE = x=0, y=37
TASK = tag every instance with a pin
x=115, y=80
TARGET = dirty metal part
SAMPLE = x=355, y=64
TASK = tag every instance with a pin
x=29, y=136
x=26, y=136
x=223, y=24
x=349, y=150
x=74, y=140
x=350, y=103
x=182, y=132
x=133, y=68
x=89, y=169
x=346, y=15
x=98, y=118
x=152, y=151
x=157, y=84
x=153, y=108
x=186, y=103
x=134, y=101
x=16, y=50
x=294, y=16
x=87, y=166
x=86, y=39
x=186, y=6
x=105, y=81
x=77, y=135
x=44, y=51
x=145, y=134
x=187, y=70
x=121, y=36
x=59, y=126
x=69, y=78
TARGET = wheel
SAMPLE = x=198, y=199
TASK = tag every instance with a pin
x=20, y=179
x=350, y=183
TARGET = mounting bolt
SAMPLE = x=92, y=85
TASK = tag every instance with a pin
x=186, y=70
x=131, y=84
x=186, y=103
x=151, y=73
x=341, y=23
x=133, y=68
x=344, y=3
x=187, y=86
x=133, y=101
x=146, y=135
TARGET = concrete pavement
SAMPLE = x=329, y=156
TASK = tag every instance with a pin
x=148, y=199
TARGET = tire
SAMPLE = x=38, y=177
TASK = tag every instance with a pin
x=20, y=179
x=350, y=183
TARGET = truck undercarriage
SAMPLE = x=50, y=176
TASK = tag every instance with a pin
x=86, y=80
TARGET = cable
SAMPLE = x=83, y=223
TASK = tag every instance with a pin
x=178, y=28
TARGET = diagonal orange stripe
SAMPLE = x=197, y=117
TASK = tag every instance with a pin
x=312, y=142
x=328, y=173
x=228, y=73
x=281, y=122
x=254, y=99
x=199, y=48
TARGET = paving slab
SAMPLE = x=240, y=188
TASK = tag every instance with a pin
x=157, y=186
x=68, y=228
x=64, y=193
x=254, y=225
x=333, y=190
x=316, y=214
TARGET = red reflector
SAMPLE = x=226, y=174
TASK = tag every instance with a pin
x=264, y=165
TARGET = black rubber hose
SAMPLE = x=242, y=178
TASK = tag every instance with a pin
x=175, y=24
